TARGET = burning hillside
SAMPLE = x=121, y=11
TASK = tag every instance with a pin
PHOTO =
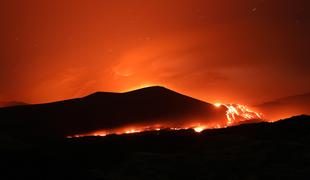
x=235, y=114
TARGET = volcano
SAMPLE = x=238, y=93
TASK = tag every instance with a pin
x=106, y=110
x=33, y=143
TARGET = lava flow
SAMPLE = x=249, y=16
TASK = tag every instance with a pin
x=235, y=114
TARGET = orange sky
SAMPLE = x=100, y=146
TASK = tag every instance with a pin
x=243, y=51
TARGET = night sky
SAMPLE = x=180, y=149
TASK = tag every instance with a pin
x=243, y=51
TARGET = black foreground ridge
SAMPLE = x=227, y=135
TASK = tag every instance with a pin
x=277, y=150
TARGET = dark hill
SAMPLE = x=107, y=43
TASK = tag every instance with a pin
x=103, y=110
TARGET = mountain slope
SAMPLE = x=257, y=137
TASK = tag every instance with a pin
x=104, y=110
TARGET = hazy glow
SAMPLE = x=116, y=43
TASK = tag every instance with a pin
x=240, y=51
x=77, y=47
x=217, y=104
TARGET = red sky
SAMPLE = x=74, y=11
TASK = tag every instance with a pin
x=243, y=51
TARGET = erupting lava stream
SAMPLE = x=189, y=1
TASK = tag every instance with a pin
x=239, y=113
x=235, y=114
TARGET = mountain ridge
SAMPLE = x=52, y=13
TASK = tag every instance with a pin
x=103, y=110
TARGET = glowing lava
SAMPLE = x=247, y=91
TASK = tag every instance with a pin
x=218, y=104
x=130, y=131
x=199, y=129
x=237, y=113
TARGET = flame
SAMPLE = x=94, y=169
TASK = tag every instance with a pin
x=235, y=114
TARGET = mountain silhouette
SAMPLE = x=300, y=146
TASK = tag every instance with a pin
x=286, y=106
x=105, y=110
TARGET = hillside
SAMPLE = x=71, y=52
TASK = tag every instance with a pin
x=104, y=110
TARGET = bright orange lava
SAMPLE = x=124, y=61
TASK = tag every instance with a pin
x=235, y=114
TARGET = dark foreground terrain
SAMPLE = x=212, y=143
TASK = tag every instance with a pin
x=278, y=150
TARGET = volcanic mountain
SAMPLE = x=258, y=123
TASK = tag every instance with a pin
x=106, y=110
